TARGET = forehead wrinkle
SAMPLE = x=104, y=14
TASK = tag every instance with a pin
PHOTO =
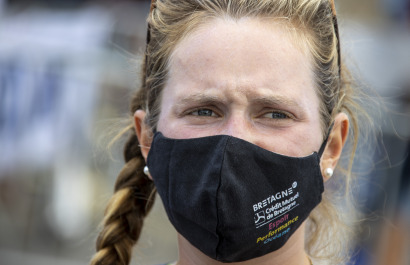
x=260, y=99
x=198, y=97
x=275, y=100
x=268, y=95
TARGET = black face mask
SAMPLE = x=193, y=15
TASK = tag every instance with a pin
x=231, y=199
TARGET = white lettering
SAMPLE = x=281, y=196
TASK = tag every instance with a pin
x=284, y=209
x=278, y=196
x=255, y=207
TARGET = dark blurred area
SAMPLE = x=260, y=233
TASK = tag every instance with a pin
x=67, y=70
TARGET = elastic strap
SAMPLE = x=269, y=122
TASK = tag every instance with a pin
x=323, y=146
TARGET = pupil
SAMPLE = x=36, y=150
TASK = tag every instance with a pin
x=205, y=112
x=277, y=115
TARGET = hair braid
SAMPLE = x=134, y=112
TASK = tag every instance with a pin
x=126, y=210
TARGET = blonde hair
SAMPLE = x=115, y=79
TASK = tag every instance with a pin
x=169, y=22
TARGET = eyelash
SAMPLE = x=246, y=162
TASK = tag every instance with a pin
x=284, y=115
x=280, y=115
x=197, y=112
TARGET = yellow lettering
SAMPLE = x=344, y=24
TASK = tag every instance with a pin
x=272, y=233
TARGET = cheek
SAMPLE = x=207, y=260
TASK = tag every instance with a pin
x=165, y=125
x=298, y=142
x=173, y=130
x=167, y=122
x=301, y=140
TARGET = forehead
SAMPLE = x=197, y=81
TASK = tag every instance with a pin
x=259, y=37
x=250, y=55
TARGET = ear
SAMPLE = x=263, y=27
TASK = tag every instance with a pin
x=336, y=141
x=143, y=132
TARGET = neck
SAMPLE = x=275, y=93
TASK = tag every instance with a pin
x=292, y=253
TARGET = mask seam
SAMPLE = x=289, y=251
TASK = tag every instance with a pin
x=218, y=221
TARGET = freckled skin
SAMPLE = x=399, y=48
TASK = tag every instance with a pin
x=235, y=66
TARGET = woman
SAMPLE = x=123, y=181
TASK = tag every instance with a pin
x=240, y=120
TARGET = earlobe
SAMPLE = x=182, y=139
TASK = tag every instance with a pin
x=335, y=144
x=143, y=132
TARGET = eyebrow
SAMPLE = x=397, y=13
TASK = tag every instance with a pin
x=286, y=103
x=204, y=99
x=195, y=99
x=199, y=98
x=275, y=100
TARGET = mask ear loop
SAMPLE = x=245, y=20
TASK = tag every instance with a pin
x=323, y=146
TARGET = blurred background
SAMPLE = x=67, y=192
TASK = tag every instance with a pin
x=67, y=70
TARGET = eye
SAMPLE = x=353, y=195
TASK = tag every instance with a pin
x=276, y=115
x=204, y=112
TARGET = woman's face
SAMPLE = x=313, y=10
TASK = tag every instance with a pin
x=246, y=78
